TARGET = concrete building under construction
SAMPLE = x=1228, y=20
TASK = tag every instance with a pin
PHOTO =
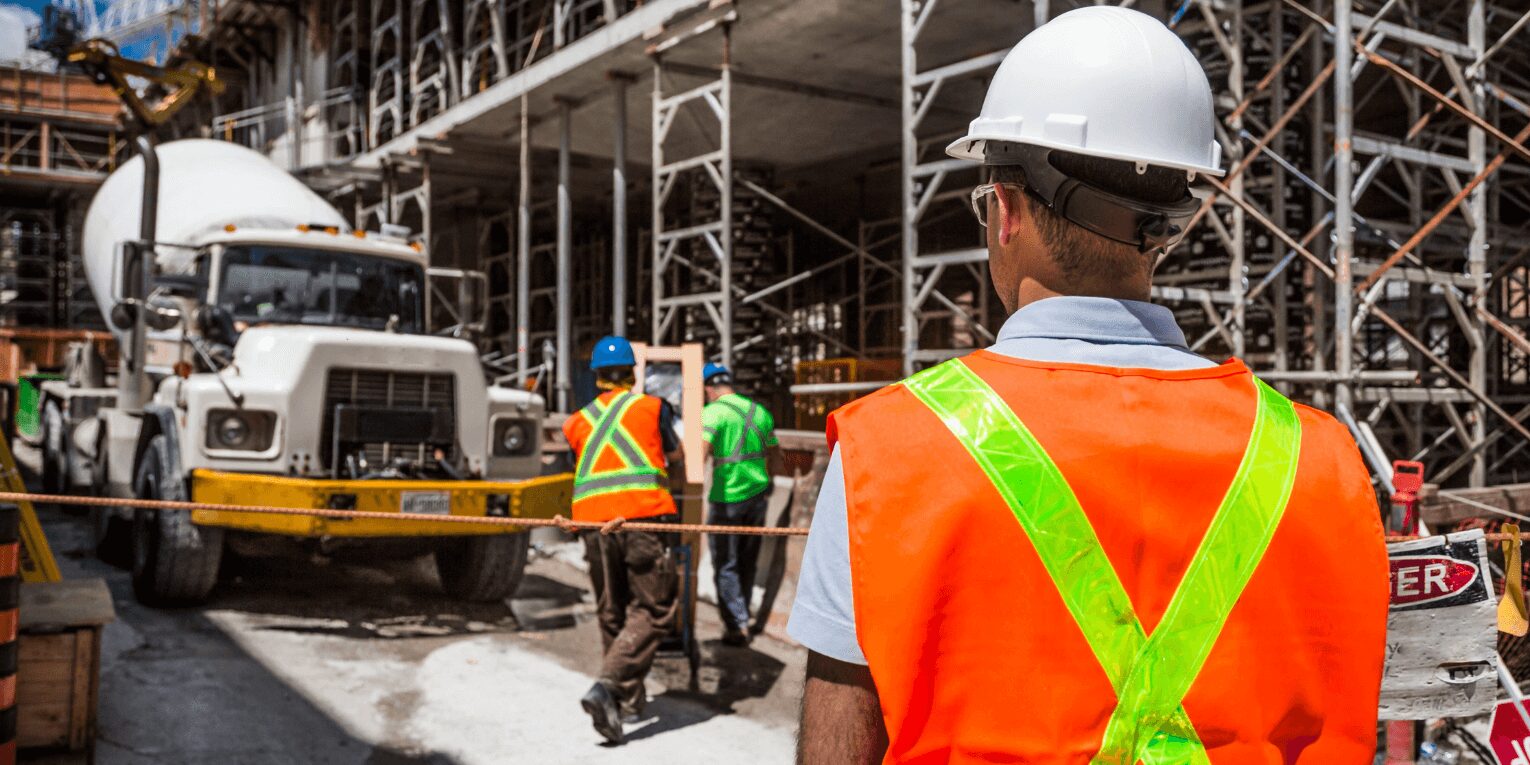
x=767, y=177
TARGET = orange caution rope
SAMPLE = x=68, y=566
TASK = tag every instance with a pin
x=605, y=527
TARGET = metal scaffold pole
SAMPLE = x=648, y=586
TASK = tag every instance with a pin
x=565, y=308
x=693, y=281
x=1343, y=185
x=619, y=82
x=1477, y=248
x=523, y=250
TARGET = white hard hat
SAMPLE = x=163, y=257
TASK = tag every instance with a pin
x=1104, y=82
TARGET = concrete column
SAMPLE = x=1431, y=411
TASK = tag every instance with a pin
x=619, y=81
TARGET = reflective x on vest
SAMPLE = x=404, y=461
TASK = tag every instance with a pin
x=1150, y=674
x=608, y=430
x=738, y=454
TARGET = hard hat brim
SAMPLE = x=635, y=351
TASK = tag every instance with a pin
x=970, y=147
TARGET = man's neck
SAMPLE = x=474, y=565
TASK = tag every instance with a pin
x=1032, y=290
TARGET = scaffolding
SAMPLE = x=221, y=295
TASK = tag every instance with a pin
x=1366, y=251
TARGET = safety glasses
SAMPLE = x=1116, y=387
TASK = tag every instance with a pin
x=980, y=202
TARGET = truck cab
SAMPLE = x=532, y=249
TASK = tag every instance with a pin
x=294, y=367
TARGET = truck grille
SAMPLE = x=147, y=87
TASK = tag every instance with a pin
x=380, y=388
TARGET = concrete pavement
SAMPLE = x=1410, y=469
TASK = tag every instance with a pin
x=321, y=660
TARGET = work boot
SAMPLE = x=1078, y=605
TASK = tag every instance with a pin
x=736, y=638
x=600, y=705
x=632, y=712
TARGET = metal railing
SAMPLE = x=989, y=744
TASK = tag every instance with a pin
x=329, y=129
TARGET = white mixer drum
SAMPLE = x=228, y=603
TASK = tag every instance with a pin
x=204, y=185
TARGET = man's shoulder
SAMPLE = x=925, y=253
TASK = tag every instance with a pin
x=1321, y=428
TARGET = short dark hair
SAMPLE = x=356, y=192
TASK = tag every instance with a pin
x=1077, y=250
x=616, y=375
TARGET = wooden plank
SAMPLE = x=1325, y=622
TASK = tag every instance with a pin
x=42, y=725
x=55, y=646
x=1441, y=630
x=65, y=604
x=1438, y=510
x=81, y=711
x=47, y=682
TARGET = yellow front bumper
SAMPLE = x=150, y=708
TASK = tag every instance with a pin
x=541, y=497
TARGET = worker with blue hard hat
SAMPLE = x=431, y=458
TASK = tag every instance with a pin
x=742, y=449
x=628, y=464
x=611, y=351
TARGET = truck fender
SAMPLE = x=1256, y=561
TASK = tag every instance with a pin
x=158, y=419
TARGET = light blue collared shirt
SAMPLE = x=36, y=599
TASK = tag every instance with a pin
x=1077, y=330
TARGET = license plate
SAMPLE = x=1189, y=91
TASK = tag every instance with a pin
x=426, y=502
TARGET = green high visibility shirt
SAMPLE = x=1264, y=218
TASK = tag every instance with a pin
x=739, y=431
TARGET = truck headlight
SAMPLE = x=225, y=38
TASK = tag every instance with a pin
x=240, y=430
x=514, y=438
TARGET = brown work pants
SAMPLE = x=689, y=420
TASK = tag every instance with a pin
x=637, y=603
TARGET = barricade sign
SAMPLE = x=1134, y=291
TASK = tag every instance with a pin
x=1441, y=630
x=1508, y=736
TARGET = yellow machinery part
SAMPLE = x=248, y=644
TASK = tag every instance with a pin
x=541, y=497
x=37, y=563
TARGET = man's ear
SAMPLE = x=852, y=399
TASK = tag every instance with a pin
x=1011, y=213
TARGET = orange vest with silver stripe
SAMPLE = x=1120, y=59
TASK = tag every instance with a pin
x=987, y=646
x=620, y=458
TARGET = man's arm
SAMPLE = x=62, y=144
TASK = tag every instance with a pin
x=775, y=461
x=674, y=450
x=841, y=715
x=676, y=470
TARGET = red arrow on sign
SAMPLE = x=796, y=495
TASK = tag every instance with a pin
x=1509, y=736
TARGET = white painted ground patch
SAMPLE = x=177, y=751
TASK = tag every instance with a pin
x=485, y=702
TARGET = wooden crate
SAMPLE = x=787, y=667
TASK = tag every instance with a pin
x=59, y=666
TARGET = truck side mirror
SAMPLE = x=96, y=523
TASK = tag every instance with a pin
x=217, y=325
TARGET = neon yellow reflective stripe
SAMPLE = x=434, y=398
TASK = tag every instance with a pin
x=604, y=418
x=627, y=445
x=618, y=480
x=1150, y=675
x=636, y=473
x=1234, y=544
x=1044, y=504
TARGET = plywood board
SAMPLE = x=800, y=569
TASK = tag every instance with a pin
x=65, y=604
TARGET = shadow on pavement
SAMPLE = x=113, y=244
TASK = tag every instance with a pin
x=728, y=675
x=176, y=689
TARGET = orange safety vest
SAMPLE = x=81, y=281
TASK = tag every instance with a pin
x=620, y=467
x=1162, y=616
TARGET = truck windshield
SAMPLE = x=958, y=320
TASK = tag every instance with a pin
x=287, y=285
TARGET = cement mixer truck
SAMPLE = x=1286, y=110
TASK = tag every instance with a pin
x=270, y=355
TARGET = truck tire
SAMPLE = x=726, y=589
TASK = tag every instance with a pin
x=111, y=527
x=55, y=450
x=175, y=562
x=483, y=568
x=113, y=536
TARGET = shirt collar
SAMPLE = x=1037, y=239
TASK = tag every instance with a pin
x=1095, y=320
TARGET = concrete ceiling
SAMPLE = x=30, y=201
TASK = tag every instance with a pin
x=815, y=80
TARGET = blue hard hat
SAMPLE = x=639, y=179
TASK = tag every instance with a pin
x=713, y=370
x=612, y=351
